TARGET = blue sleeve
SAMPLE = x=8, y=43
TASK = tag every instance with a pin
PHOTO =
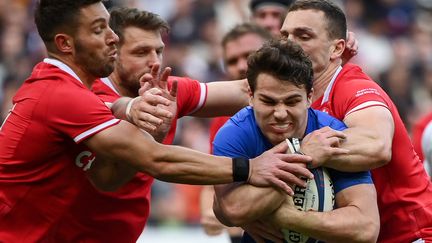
x=342, y=180
x=230, y=141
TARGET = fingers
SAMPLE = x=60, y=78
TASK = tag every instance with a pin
x=147, y=78
x=352, y=43
x=162, y=82
x=145, y=86
x=173, y=91
x=280, y=148
x=155, y=73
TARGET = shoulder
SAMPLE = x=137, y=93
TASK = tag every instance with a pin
x=352, y=77
x=323, y=119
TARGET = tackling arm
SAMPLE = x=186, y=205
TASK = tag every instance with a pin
x=125, y=143
x=356, y=218
x=368, y=142
x=224, y=98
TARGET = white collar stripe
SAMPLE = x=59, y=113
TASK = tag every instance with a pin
x=62, y=66
x=108, y=83
x=330, y=85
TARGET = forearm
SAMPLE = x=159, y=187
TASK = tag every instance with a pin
x=366, y=151
x=339, y=225
x=240, y=204
x=168, y=163
x=369, y=140
x=356, y=218
x=224, y=98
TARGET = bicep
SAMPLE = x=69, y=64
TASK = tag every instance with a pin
x=224, y=98
x=122, y=142
x=361, y=196
x=375, y=120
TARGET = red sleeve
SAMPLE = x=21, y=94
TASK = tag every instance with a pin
x=357, y=94
x=215, y=125
x=78, y=113
x=191, y=95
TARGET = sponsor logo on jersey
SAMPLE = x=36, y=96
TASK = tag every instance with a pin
x=85, y=159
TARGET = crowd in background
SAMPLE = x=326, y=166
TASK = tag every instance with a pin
x=395, y=39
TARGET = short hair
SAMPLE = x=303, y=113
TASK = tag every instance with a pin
x=284, y=60
x=336, y=20
x=244, y=29
x=52, y=16
x=121, y=18
x=254, y=4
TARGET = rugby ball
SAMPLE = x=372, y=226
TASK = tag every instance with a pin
x=317, y=196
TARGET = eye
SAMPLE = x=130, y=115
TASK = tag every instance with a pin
x=292, y=102
x=268, y=102
x=98, y=30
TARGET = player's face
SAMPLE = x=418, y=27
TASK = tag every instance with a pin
x=280, y=108
x=95, y=42
x=270, y=18
x=236, y=53
x=308, y=28
x=141, y=49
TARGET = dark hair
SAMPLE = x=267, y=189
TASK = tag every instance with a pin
x=124, y=17
x=52, y=16
x=284, y=60
x=254, y=4
x=336, y=21
x=243, y=29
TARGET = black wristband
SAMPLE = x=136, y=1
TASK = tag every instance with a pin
x=240, y=167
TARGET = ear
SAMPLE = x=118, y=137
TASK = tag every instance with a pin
x=309, y=98
x=64, y=43
x=338, y=49
x=250, y=97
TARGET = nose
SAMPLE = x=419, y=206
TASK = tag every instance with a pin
x=153, y=58
x=242, y=65
x=112, y=37
x=280, y=113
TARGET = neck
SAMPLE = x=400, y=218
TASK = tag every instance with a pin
x=86, y=78
x=322, y=80
x=115, y=79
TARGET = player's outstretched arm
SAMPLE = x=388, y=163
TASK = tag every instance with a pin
x=367, y=143
x=125, y=143
x=356, y=218
x=224, y=98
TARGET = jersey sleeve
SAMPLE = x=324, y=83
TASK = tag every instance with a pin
x=230, y=141
x=342, y=180
x=357, y=94
x=191, y=95
x=106, y=93
x=78, y=114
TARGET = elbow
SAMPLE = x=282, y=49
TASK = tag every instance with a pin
x=230, y=214
x=382, y=153
x=369, y=233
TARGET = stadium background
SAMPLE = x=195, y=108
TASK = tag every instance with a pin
x=395, y=39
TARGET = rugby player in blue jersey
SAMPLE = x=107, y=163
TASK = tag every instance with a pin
x=280, y=77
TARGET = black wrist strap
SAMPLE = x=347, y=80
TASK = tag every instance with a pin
x=240, y=167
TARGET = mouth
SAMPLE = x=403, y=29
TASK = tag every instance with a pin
x=113, y=53
x=281, y=128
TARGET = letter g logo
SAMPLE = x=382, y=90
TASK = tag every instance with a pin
x=85, y=159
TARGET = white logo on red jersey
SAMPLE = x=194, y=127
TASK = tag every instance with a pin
x=85, y=159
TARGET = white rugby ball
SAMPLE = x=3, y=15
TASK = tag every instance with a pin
x=317, y=196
